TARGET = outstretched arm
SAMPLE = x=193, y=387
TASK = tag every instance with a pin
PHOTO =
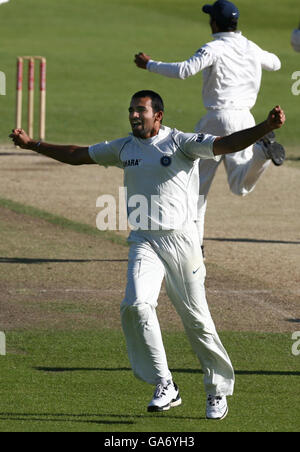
x=245, y=138
x=201, y=59
x=70, y=154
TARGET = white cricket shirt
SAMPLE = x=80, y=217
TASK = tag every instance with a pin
x=161, y=175
x=232, y=69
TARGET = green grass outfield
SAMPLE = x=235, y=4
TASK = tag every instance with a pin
x=81, y=382
x=90, y=46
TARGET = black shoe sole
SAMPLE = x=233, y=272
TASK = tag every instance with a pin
x=157, y=409
x=277, y=154
x=275, y=151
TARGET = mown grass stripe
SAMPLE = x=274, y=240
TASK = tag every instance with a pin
x=61, y=221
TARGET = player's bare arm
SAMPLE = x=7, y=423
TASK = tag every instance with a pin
x=70, y=154
x=245, y=138
x=141, y=60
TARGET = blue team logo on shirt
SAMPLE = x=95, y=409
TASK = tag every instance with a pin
x=201, y=51
x=166, y=160
x=200, y=137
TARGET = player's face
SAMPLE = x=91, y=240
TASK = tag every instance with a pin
x=145, y=123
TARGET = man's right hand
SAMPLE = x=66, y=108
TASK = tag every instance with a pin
x=276, y=118
x=141, y=60
x=238, y=141
x=20, y=138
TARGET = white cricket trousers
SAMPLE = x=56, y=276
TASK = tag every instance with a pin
x=243, y=168
x=177, y=257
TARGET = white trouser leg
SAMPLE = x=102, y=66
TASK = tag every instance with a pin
x=200, y=218
x=138, y=315
x=207, y=171
x=243, y=168
x=185, y=275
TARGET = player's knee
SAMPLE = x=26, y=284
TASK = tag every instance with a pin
x=198, y=323
x=239, y=190
x=129, y=303
x=136, y=309
x=240, y=187
x=126, y=305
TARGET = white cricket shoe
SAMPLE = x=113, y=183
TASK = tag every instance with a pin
x=165, y=397
x=216, y=407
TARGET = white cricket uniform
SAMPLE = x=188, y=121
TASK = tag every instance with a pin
x=165, y=168
x=232, y=70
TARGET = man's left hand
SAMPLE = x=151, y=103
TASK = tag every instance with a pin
x=141, y=60
x=20, y=138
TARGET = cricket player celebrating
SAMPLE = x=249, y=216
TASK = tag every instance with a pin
x=232, y=69
x=161, y=164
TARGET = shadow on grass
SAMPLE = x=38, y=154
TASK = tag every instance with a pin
x=79, y=418
x=24, y=260
x=25, y=154
x=184, y=371
x=247, y=240
x=65, y=417
x=293, y=158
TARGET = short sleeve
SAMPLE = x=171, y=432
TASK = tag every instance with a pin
x=107, y=153
x=197, y=145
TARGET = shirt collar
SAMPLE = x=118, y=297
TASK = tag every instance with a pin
x=227, y=34
x=163, y=131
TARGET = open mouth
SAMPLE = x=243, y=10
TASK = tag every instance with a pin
x=136, y=123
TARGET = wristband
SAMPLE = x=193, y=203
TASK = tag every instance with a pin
x=37, y=146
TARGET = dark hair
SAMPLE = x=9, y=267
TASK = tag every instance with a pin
x=231, y=26
x=157, y=102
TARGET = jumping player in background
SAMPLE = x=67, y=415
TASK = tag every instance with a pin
x=232, y=69
x=161, y=164
x=295, y=39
